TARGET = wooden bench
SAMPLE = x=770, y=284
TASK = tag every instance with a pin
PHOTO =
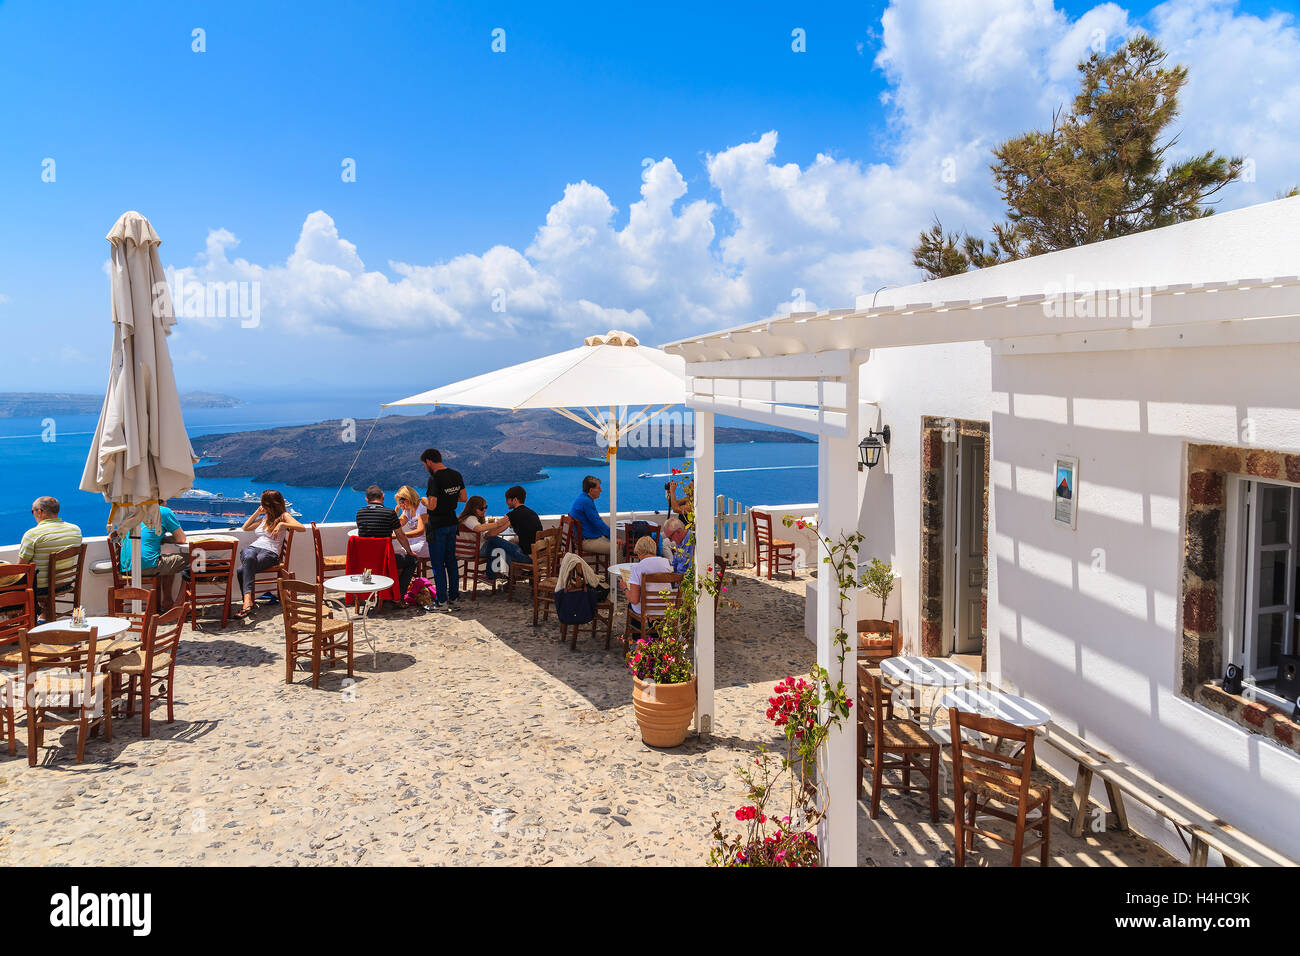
x=1205, y=829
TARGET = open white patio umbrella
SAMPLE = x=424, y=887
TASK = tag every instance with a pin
x=610, y=372
x=140, y=455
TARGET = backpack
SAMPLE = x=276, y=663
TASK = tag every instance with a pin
x=576, y=602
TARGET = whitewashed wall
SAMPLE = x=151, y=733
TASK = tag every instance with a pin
x=1101, y=648
x=908, y=385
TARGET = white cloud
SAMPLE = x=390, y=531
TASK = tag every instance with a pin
x=770, y=236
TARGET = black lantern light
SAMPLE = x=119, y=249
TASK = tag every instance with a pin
x=869, y=448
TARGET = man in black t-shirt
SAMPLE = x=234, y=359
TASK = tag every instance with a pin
x=376, y=520
x=523, y=520
x=446, y=490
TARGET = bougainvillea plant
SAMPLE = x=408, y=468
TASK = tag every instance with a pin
x=662, y=658
x=806, y=710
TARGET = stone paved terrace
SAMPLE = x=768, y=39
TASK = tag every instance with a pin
x=477, y=739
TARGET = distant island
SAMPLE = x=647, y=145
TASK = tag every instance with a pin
x=487, y=446
x=42, y=404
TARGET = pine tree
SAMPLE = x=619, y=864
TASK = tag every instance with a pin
x=1099, y=172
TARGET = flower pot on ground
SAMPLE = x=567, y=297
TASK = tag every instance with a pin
x=663, y=688
x=663, y=711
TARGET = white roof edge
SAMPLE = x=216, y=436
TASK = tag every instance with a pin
x=1261, y=242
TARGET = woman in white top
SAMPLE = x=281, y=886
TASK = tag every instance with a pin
x=273, y=523
x=475, y=513
x=414, y=517
x=647, y=562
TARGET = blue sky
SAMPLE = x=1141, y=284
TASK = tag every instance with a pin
x=666, y=169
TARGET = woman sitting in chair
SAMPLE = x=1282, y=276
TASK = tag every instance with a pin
x=475, y=513
x=647, y=562
x=273, y=522
x=413, y=515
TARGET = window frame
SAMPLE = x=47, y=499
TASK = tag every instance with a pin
x=1241, y=578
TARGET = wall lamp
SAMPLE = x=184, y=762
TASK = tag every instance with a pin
x=869, y=448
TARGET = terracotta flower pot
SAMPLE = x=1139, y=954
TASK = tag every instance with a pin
x=663, y=711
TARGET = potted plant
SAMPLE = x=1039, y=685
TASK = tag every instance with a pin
x=663, y=688
x=878, y=578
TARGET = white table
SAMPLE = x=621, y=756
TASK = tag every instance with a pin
x=987, y=702
x=107, y=629
x=352, y=584
x=617, y=573
x=926, y=674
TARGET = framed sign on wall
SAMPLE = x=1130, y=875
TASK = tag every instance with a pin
x=1065, y=494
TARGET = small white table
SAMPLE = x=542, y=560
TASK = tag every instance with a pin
x=927, y=674
x=617, y=573
x=352, y=584
x=987, y=702
x=107, y=629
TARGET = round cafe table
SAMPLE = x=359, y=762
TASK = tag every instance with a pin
x=107, y=628
x=345, y=584
x=926, y=676
x=617, y=573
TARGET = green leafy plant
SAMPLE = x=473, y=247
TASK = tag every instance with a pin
x=878, y=578
x=807, y=710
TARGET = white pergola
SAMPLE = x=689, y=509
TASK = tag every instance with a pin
x=801, y=371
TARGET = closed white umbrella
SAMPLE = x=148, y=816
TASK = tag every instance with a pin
x=609, y=371
x=141, y=455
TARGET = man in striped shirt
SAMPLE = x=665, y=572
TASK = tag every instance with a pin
x=51, y=534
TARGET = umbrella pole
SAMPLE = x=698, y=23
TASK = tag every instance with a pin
x=136, y=579
x=613, y=507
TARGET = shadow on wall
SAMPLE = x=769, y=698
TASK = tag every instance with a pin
x=1090, y=618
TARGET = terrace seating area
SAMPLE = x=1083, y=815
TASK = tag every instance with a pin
x=525, y=749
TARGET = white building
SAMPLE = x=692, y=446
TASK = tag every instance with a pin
x=1162, y=372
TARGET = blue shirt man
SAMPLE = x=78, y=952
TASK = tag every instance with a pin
x=584, y=511
x=150, y=542
x=684, y=554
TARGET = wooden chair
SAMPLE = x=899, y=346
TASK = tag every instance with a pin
x=982, y=777
x=880, y=738
x=524, y=569
x=19, y=604
x=17, y=616
x=571, y=531
x=878, y=640
x=658, y=591
x=604, y=614
x=212, y=564
x=628, y=547
x=777, y=551
x=121, y=580
x=61, y=678
x=470, y=561
x=327, y=565
x=120, y=604
x=24, y=576
x=310, y=631
x=545, y=563
x=269, y=578
x=63, y=581
x=151, y=671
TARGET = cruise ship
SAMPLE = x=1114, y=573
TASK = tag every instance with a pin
x=204, y=509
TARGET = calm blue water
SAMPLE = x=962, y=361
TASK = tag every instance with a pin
x=30, y=466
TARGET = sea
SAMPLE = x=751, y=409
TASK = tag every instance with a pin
x=46, y=457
